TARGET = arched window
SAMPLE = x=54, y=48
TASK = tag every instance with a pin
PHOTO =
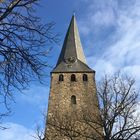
x=73, y=78
x=61, y=77
x=73, y=99
x=85, y=77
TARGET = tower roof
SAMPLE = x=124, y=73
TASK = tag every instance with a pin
x=72, y=58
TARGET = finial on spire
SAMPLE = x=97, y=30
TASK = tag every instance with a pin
x=73, y=12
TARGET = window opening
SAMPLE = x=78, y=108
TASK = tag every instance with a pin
x=61, y=77
x=73, y=78
x=85, y=77
x=73, y=99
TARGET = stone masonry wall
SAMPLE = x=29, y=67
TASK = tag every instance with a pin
x=60, y=97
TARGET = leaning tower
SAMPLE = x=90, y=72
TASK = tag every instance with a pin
x=73, y=100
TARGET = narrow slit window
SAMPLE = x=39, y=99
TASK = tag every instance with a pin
x=73, y=99
x=73, y=78
x=61, y=77
x=85, y=77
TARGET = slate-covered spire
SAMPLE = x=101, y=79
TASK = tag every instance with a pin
x=72, y=46
x=72, y=58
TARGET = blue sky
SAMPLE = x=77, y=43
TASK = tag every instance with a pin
x=110, y=34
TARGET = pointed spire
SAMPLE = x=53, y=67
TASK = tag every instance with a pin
x=72, y=45
x=72, y=53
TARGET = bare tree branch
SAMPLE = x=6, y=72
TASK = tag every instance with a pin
x=118, y=118
x=23, y=47
x=118, y=99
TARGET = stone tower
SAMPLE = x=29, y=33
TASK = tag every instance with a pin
x=73, y=100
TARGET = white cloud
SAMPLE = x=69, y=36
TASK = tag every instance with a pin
x=102, y=67
x=123, y=51
x=100, y=13
x=103, y=17
x=16, y=132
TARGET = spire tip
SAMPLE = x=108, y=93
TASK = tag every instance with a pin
x=74, y=13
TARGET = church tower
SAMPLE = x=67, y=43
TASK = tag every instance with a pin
x=73, y=101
